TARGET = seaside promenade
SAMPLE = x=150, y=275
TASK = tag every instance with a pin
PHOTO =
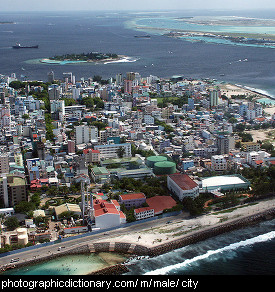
x=152, y=238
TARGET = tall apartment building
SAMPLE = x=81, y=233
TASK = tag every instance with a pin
x=4, y=163
x=225, y=143
x=84, y=134
x=54, y=92
x=215, y=94
x=13, y=189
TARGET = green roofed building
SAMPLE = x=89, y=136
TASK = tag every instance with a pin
x=100, y=174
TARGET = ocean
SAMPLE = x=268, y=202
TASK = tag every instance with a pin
x=249, y=251
x=59, y=33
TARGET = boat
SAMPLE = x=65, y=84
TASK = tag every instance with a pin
x=142, y=36
x=18, y=46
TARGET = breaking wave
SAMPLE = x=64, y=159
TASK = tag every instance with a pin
x=234, y=246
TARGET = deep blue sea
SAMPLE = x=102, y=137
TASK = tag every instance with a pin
x=59, y=33
x=249, y=251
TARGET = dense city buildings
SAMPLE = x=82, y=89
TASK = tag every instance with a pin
x=95, y=154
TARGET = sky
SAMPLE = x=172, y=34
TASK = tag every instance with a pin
x=140, y=5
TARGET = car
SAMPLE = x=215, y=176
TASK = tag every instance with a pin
x=14, y=260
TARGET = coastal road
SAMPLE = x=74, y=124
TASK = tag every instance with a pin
x=59, y=248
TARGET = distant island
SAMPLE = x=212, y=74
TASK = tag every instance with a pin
x=93, y=57
x=89, y=57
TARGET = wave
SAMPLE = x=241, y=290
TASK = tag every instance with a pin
x=123, y=60
x=248, y=242
x=257, y=90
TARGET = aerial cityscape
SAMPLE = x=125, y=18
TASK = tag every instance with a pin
x=105, y=173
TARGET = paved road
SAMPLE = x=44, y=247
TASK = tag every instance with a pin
x=42, y=252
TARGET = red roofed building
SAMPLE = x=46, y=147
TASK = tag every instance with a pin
x=182, y=185
x=107, y=214
x=91, y=156
x=160, y=203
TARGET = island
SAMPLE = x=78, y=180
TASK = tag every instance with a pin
x=92, y=57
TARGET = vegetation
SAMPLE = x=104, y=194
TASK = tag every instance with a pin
x=92, y=56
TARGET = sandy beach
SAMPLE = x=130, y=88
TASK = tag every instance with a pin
x=232, y=89
x=178, y=228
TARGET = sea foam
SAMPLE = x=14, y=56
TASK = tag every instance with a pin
x=233, y=246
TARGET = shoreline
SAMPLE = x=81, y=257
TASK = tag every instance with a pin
x=154, y=242
x=121, y=58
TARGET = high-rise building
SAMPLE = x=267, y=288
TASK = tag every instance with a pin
x=225, y=143
x=4, y=163
x=54, y=92
x=50, y=76
x=12, y=189
x=85, y=134
x=71, y=146
x=215, y=94
x=128, y=86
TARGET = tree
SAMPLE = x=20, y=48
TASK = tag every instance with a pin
x=24, y=207
x=267, y=146
x=12, y=223
x=120, y=152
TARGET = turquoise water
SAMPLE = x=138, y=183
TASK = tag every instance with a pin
x=52, y=62
x=172, y=23
x=165, y=24
x=266, y=101
x=70, y=265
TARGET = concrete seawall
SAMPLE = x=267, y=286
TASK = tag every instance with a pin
x=140, y=250
x=190, y=239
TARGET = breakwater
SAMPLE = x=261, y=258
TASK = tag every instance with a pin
x=141, y=250
x=192, y=238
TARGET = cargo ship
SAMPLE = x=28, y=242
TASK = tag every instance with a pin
x=147, y=36
x=18, y=46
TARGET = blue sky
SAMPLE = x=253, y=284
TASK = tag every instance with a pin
x=141, y=5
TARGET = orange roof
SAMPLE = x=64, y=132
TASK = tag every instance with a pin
x=102, y=207
x=159, y=203
x=133, y=196
x=183, y=181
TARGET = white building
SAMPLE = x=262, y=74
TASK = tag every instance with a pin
x=149, y=120
x=107, y=215
x=85, y=134
x=182, y=185
x=254, y=155
x=111, y=150
x=218, y=163
x=143, y=213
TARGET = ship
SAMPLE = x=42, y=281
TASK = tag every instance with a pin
x=18, y=46
x=142, y=36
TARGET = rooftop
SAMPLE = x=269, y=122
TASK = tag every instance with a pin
x=133, y=196
x=183, y=181
x=160, y=203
